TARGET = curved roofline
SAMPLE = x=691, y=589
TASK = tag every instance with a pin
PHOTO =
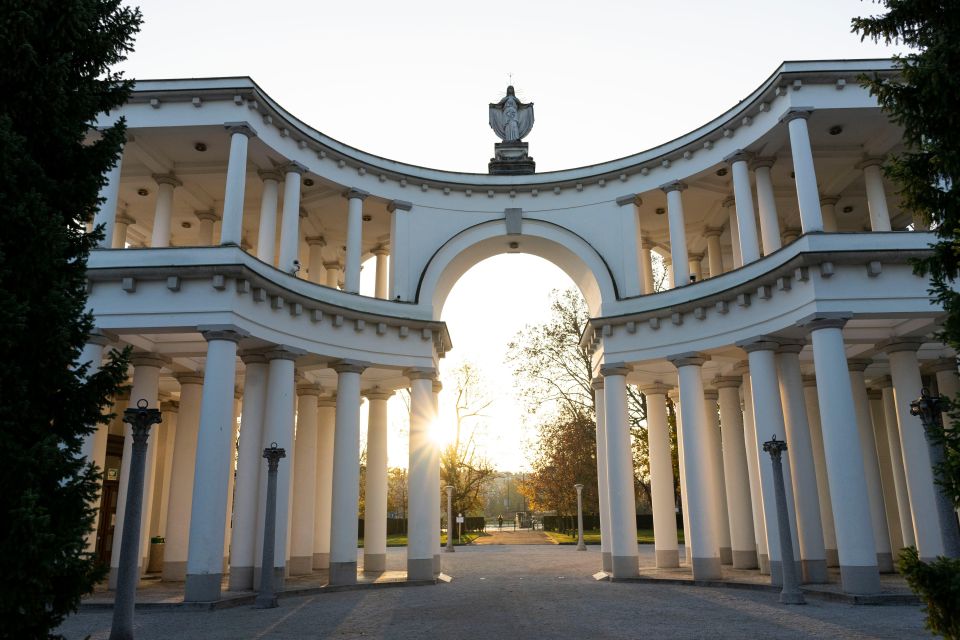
x=145, y=89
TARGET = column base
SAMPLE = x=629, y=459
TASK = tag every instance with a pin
x=605, y=562
x=279, y=577
x=814, y=571
x=419, y=568
x=833, y=558
x=624, y=566
x=343, y=573
x=726, y=555
x=776, y=571
x=688, y=554
x=860, y=580
x=374, y=562
x=300, y=565
x=240, y=579
x=202, y=587
x=321, y=561
x=706, y=569
x=667, y=558
x=885, y=562
x=174, y=571
x=745, y=559
x=764, y=562
x=437, y=564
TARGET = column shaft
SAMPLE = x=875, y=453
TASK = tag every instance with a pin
x=231, y=230
x=646, y=268
x=383, y=269
x=767, y=204
x=678, y=236
x=290, y=219
x=375, y=496
x=904, y=512
x=326, y=425
x=804, y=172
x=354, y=241
x=163, y=212
x=746, y=217
x=736, y=477
x=267, y=230
x=420, y=497
x=714, y=253
x=346, y=477
x=623, y=509
x=828, y=209
x=717, y=477
x=735, y=237
x=107, y=212
x=603, y=486
x=305, y=481
x=753, y=475
x=661, y=479
x=820, y=463
x=891, y=514
x=876, y=197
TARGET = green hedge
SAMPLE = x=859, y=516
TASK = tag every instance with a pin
x=561, y=524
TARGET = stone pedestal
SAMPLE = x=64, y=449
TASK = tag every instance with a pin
x=511, y=159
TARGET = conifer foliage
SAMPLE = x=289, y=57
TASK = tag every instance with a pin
x=55, y=80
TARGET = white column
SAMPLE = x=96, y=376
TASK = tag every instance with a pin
x=704, y=534
x=661, y=478
x=381, y=282
x=163, y=212
x=729, y=204
x=948, y=383
x=803, y=474
x=146, y=380
x=375, y=495
x=333, y=270
x=420, y=529
x=871, y=464
x=123, y=222
x=668, y=268
x=916, y=455
x=768, y=414
x=231, y=230
x=767, y=205
x=891, y=514
x=646, y=266
x=746, y=217
x=232, y=477
x=214, y=448
x=355, y=198
x=290, y=218
x=267, y=230
x=696, y=266
x=804, y=172
x=892, y=421
x=249, y=462
x=94, y=448
x=278, y=425
x=876, y=196
x=678, y=233
x=107, y=211
x=435, y=488
x=753, y=471
x=399, y=249
x=181, y=477
x=623, y=507
x=714, y=253
x=841, y=444
x=346, y=474
x=326, y=425
x=315, y=270
x=820, y=463
x=717, y=475
x=674, y=396
x=171, y=414
x=603, y=487
x=305, y=481
x=735, y=473
x=205, y=227
x=828, y=209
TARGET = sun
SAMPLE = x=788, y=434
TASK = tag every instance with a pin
x=441, y=432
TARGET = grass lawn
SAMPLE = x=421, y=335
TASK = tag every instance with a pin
x=399, y=540
x=644, y=536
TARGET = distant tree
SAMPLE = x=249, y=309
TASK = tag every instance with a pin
x=922, y=98
x=55, y=80
x=397, y=491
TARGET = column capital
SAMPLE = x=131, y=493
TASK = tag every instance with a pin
x=874, y=394
x=824, y=321
x=283, y=352
x=309, y=389
x=694, y=257
x=222, y=332
x=253, y=357
x=943, y=364
x=688, y=359
x=885, y=382
x=166, y=178
x=738, y=156
x=874, y=161
x=759, y=162
x=790, y=346
x=712, y=232
x=377, y=394
x=796, y=112
x=420, y=373
x=809, y=380
x=829, y=200
x=759, y=343
x=649, y=245
x=893, y=345
x=597, y=383
x=358, y=194
x=240, y=127
x=381, y=250
x=399, y=205
x=207, y=215
x=316, y=241
x=124, y=218
x=742, y=368
x=711, y=394
x=170, y=405
x=615, y=369
x=655, y=389
x=630, y=198
x=674, y=185
x=349, y=366
x=729, y=201
x=143, y=359
x=98, y=337
x=437, y=386
x=859, y=364
x=294, y=167
x=269, y=174
x=728, y=382
x=327, y=401
x=189, y=377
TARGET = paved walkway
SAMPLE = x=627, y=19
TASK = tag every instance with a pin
x=523, y=591
x=520, y=536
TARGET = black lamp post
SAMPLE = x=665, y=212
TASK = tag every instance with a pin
x=140, y=420
x=267, y=597
x=930, y=411
x=790, y=592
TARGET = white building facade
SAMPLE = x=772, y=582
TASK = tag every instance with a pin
x=235, y=235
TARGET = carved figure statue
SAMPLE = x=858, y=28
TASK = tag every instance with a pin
x=511, y=119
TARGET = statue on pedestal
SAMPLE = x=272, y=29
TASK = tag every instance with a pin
x=511, y=120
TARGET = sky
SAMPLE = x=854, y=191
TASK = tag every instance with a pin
x=411, y=81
